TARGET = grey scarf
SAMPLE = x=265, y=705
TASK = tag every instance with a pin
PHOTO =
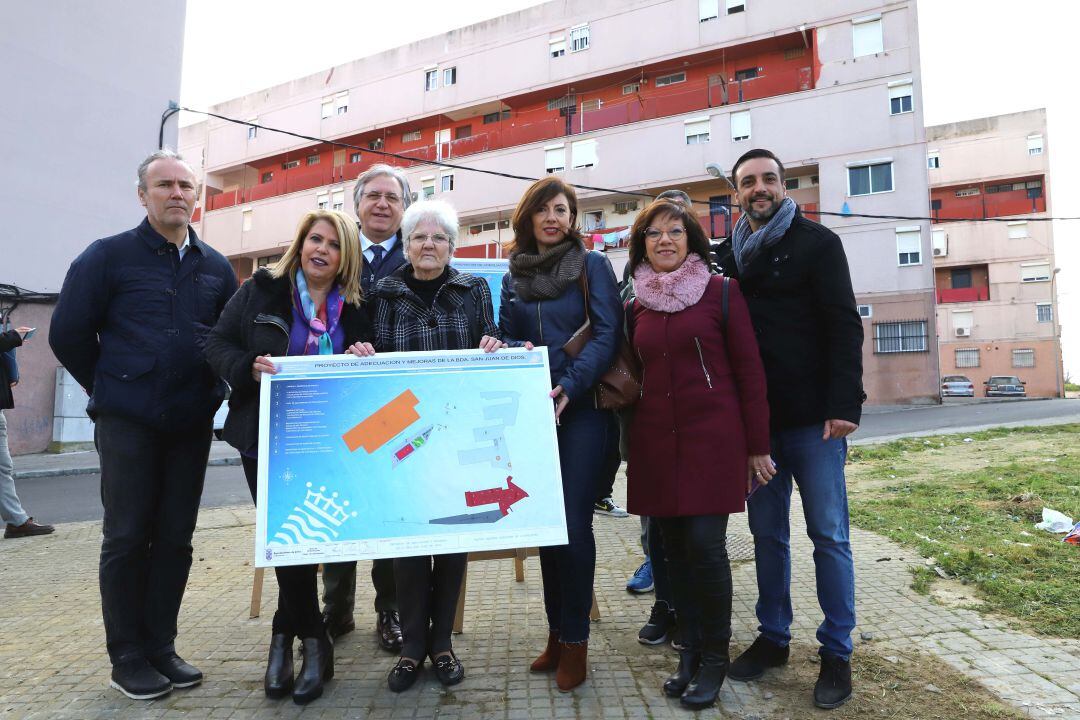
x=544, y=275
x=747, y=245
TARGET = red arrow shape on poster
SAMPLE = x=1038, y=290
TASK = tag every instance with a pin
x=505, y=497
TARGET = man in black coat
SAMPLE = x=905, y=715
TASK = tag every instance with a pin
x=131, y=325
x=794, y=275
x=381, y=196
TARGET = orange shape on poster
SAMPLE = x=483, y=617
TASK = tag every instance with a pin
x=383, y=424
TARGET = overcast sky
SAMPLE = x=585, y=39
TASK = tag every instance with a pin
x=979, y=58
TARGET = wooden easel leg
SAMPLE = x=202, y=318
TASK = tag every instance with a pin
x=519, y=564
x=256, y=592
x=459, y=613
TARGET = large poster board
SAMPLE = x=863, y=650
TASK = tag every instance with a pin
x=491, y=270
x=406, y=454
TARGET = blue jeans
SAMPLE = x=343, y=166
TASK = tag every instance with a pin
x=653, y=546
x=11, y=510
x=568, y=569
x=818, y=467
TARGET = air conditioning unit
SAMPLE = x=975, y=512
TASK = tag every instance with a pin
x=963, y=332
x=939, y=251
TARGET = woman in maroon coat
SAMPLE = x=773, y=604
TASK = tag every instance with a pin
x=700, y=432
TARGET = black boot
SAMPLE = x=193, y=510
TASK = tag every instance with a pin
x=279, y=667
x=318, y=667
x=689, y=662
x=705, y=687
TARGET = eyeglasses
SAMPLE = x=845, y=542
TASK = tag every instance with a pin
x=375, y=197
x=654, y=235
x=436, y=239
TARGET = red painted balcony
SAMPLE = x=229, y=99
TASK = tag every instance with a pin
x=957, y=295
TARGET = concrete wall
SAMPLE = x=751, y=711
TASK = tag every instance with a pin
x=92, y=81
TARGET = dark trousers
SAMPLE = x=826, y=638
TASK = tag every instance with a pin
x=612, y=460
x=700, y=573
x=339, y=587
x=567, y=570
x=151, y=483
x=653, y=545
x=428, y=587
x=298, y=587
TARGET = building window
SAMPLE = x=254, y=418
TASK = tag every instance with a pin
x=866, y=311
x=967, y=192
x=1023, y=358
x=593, y=220
x=1044, y=312
x=504, y=224
x=290, y=164
x=697, y=131
x=427, y=187
x=791, y=183
x=327, y=108
x=409, y=137
x=900, y=97
x=966, y=357
x=449, y=76
x=462, y=131
x=740, y=126
x=1035, y=144
x=626, y=206
x=252, y=130
x=267, y=176
x=341, y=103
x=496, y=117
x=708, y=10
x=555, y=158
x=866, y=36
x=354, y=157
x=267, y=260
x=900, y=337
x=431, y=80
x=246, y=220
x=557, y=47
x=735, y=6
x=670, y=79
x=909, y=246
x=746, y=74
x=933, y=160
x=795, y=52
x=562, y=102
x=870, y=178
x=631, y=88
x=447, y=182
x=1035, y=272
x=579, y=38
x=1018, y=230
x=940, y=242
x=583, y=153
x=337, y=201
x=590, y=105
x=313, y=159
x=322, y=200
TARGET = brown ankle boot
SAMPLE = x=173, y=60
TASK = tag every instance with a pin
x=573, y=659
x=549, y=659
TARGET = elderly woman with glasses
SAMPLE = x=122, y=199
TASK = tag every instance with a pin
x=700, y=431
x=428, y=305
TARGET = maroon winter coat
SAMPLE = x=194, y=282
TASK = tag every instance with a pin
x=702, y=410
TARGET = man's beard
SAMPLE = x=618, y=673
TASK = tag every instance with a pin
x=765, y=215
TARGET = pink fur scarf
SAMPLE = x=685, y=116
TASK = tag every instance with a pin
x=672, y=291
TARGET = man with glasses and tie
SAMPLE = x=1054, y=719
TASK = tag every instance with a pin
x=381, y=196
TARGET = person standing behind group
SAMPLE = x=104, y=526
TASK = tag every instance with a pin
x=700, y=428
x=427, y=305
x=798, y=287
x=380, y=198
x=542, y=303
x=130, y=327
x=308, y=303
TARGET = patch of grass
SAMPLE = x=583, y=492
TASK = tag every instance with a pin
x=921, y=577
x=972, y=507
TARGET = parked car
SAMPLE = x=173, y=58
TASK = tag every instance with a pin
x=957, y=386
x=1005, y=386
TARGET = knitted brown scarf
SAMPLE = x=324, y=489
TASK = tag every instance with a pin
x=544, y=275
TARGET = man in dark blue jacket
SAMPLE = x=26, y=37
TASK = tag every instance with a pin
x=381, y=197
x=130, y=326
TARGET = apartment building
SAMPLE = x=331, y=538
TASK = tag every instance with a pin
x=634, y=97
x=995, y=275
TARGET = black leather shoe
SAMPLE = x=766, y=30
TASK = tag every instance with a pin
x=705, y=687
x=448, y=669
x=689, y=662
x=179, y=673
x=317, y=669
x=139, y=681
x=403, y=675
x=755, y=659
x=279, y=667
x=833, y=687
x=338, y=626
x=388, y=628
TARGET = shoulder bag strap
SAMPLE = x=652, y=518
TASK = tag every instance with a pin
x=724, y=304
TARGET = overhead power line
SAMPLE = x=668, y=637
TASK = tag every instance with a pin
x=173, y=109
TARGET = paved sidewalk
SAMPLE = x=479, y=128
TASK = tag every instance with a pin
x=53, y=664
x=86, y=462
